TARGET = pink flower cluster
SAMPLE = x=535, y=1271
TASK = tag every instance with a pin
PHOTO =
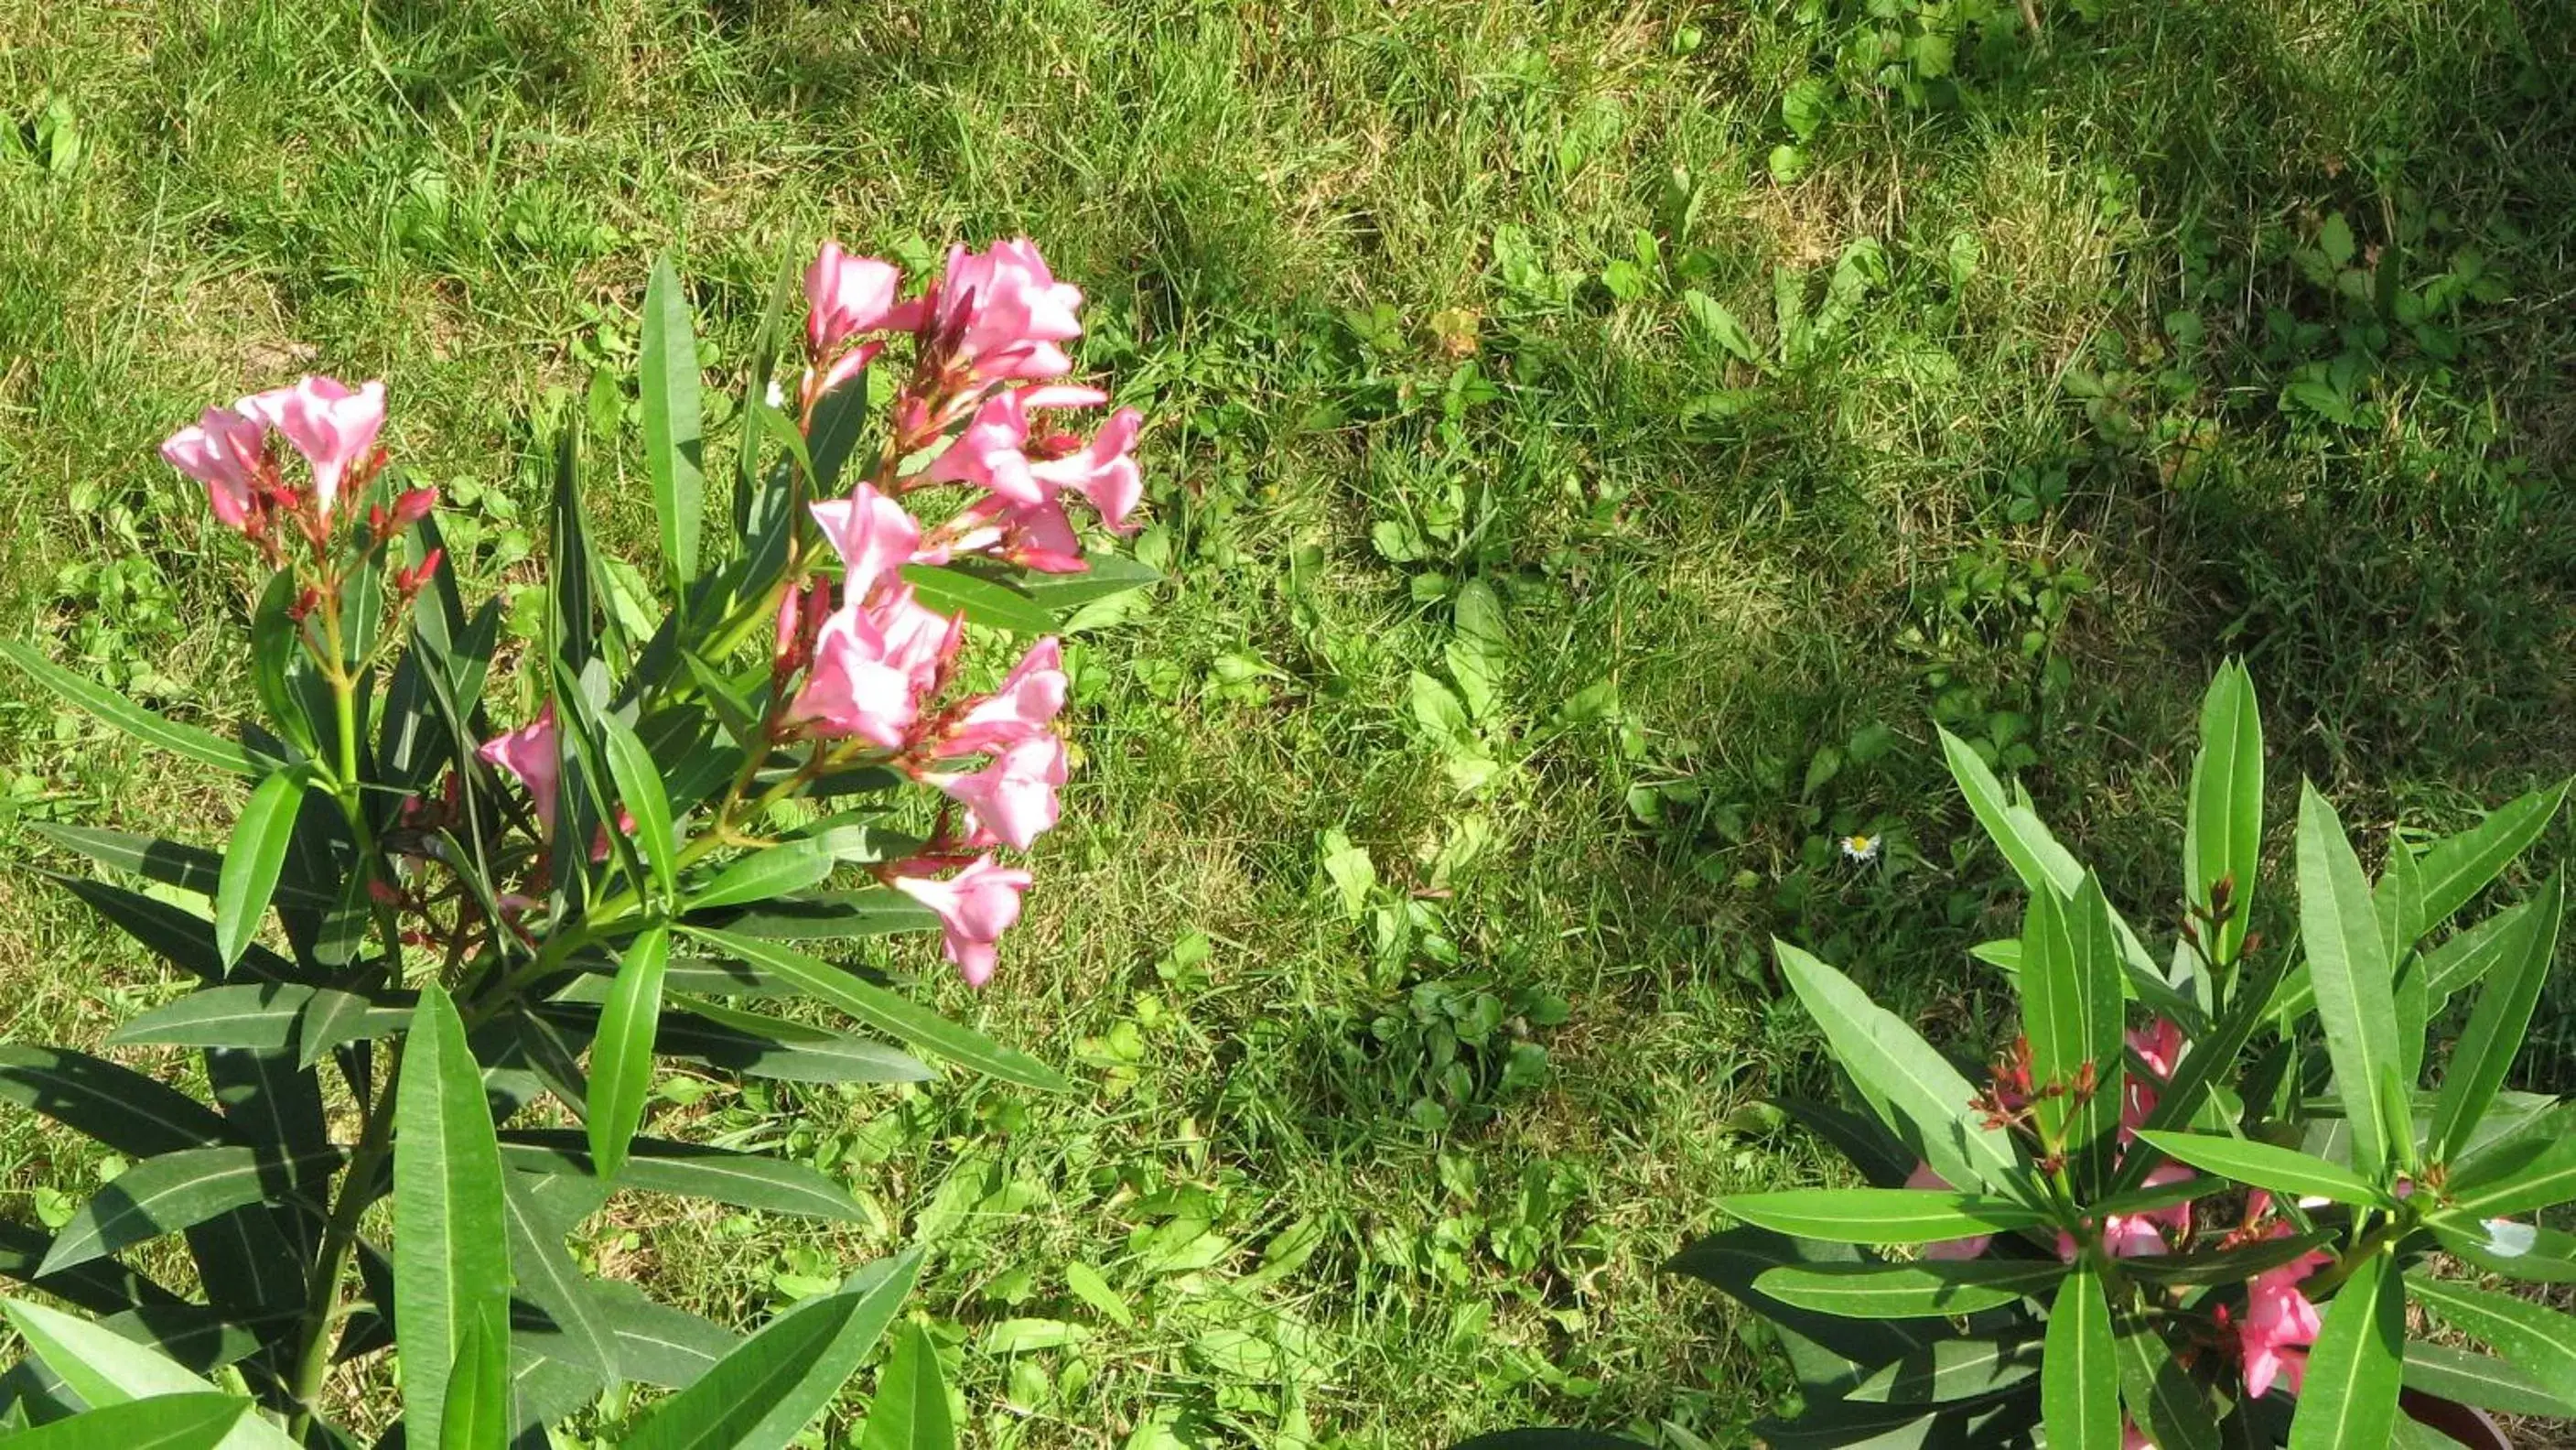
x=231, y=451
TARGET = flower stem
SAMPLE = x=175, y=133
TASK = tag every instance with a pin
x=339, y=1235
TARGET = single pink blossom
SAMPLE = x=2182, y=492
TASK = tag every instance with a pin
x=2160, y=1047
x=846, y=296
x=333, y=427
x=873, y=535
x=1012, y=801
x=1001, y=312
x=223, y=451
x=2279, y=1323
x=1966, y=1248
x=873, y=665
x=530, y=753
x=975, y=907
x=1102, y=471
x=1033, y=536
x=1029, y=699
x=992, y=450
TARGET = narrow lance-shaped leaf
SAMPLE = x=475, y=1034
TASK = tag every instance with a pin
x=622, y=1058
x=477, y=1411
x=765, y=1392
x=2223, y=840
x=2533, y=1338
x=910, y=1411
x=2079, y=1386
x=2349, y=971
x=2159, y=1393
x=2496, y=1025
x=1894, y=1062
x=893, y=1015
x=202, y=746
x=172, y=1192
x=2482, y=1380
x=105, y=1368
x=164, y=1422
x=672, y=429
x=451, y=1256
x=2398, y=901
x=1879, y=1215
x=2071, y=1008
x=773, y=871
x=1930, y=1288
x=252, y=860
x=2281, y=1170
x=639, y=787
x=2349, y=1396
x=2457, y=868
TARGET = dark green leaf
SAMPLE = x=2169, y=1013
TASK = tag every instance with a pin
x=265, y=1015
x=119, y=1107
x=101, y=1286
x=639, y=786
x=2159, y=1393
x=2348, y=968
x=910, y=1410
x=1109, y=574
x=2223, y=839
x=838, y=419
x=745, y=1180
x=1895, y=1064
x=163, y=1422
x=832, y=916
x=2537, y=1340
x=672, y=431
x=2516, y=1250
x=2072, y=1003
x=2496, y=1026
x=765, y=1392
x=2223, y=1265
x=201, y=746
x=774, y=871
x=1927, y=1288
x=252, y=860
x=190, y=868
x=173, y=1191
x=104, y=1368
x=451, y=1256
x=2349, y=1396
x=621, y=1060
x=2282, y=1170
x=2526, y=1172
x=888, y=1013
x=656, y=1344
x=547, y=1277
x=476, y=1414
x=2079, y=1388
x=1880, y=1215
x=987, y=602
x=1949, y=1370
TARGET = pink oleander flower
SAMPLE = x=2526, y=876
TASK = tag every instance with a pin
x=1001, y=313
x=873, y=535
x=1012, y=801
x=530, y=753
x=873, y=666
x=1102, y=470
x=2160, y=1047
x=1033, y=536
x=846, y=296
x=1966, y=1248
x=975, y=907
x=223, y=450
x=2279, y=1323
x=2133, y=1438
x=992, y=451
x=333, y=427
x=1028, y=701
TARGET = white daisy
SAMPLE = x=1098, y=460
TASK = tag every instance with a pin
x=1861, y=848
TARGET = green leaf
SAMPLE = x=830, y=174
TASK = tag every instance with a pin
x=832, y=916
x=202, y=746
x=621, y=1060
x=1948, y=1370
x=1890, y=1059
x=1879, y=1215
x=2160, y=1394
x=639, y=788
x=2070, y=986
x=1087, y=1284
x=163, y=1422
x=547, y=1277
x=2282, y=1170
x=1931, y=1287
x=774, y=871
x=2223, y=839
x=173, y=1191
x=772, y=1047
x=2457, y=868
x=983, y=601
x=2223, y=1265
x=655, y=1165
x=2464, y=961
x=1547, y=1440
x=451, y=1255
x=888, y=1013
x=672, y=431
x=190, y=868
x=252, y=860
x=2535, y=1339
x=2496, y=1026
x=2516, y=1250
x=910, y=1411
x=2479, y=1379
x=657, y=1344
x=2350, y=1394
x=105, y=1368
x=116, y=1105
x=1108, y=576
x=765, y=1392
x=268, y=1016
x=2529, y=1171
x=476, y=1414
x=2079, y=1387
x=2348, y=968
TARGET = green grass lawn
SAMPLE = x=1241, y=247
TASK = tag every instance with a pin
x=1593, y=444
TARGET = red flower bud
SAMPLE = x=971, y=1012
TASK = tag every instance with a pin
x=413, y=506
x=304, y=604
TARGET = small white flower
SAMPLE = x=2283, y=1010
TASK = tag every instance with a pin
x=777, y=394
x=1861, y=848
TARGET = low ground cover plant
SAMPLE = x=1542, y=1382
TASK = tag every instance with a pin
x=506, y=883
